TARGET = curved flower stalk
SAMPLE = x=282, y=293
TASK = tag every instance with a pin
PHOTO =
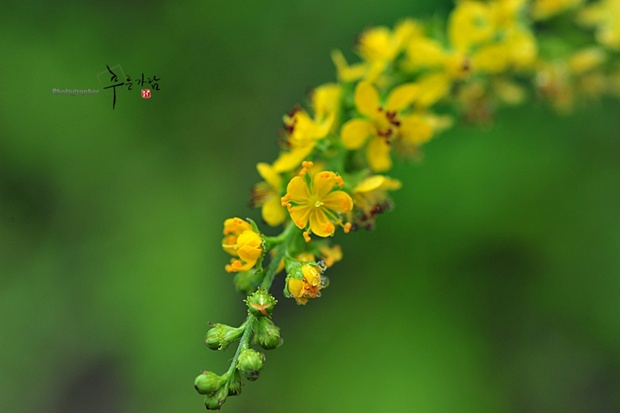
x=411, y=83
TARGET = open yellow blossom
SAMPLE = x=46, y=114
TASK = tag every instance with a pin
x=482, y=37
x=267, y=195
x=378, y=47
x=494, y=39
x=302, y=134
x=308, y=287
x=315, y=204
x=381, y=124
x=242, y=242
x=380, y=44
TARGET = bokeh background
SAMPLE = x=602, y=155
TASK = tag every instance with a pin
x=492, y=287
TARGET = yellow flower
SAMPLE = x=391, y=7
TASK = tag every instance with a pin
x=604, y=16
x=315, y=204
x=309, y=286
x=370, y=198
x=381, y=125
x=267, y=195
x=302, y=134
x=378, y=47
x=242, y=242
x=491, y=35
x=380, y=44
x=471, y=23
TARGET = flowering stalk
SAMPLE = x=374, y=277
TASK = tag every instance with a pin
x=411, y=83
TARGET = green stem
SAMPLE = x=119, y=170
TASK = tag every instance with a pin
x=243, y=343
x=280, y=238
x=284, y=239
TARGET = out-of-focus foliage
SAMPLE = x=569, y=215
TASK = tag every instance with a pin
x=492, y=287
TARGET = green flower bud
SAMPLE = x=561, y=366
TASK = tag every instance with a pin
x=217, y=399
x=235, y=384
x=267, y=334
x=247, y=281
x=221, y=335
x=208, y=382
x=261, y=303
x=250, y=363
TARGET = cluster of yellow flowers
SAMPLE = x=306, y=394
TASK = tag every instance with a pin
x=411, y=83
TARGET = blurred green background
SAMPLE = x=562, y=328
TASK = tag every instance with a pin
x=492, y=287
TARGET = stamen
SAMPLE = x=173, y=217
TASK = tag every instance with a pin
x=339, y=181
x=305, y=167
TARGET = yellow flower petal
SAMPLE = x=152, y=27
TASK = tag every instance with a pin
x=378, y=154
x=322, y=129
x=326, y=99
x=287, y=161
x=297, y=190
x=269, y=174
x=404, y=32
x=415, y=130
x=355, y=132
x=346, y=72
x=375, y=44
x=311, y=275
x=273, y=213
x=471, y=23
x=375, y=182
x=300, y=215
x=367, y=99
x=249, y=246
x=523, y=48
x=432, y=88
x=320, y=223
x=425, y=53
x=295, y=287
x=491, y=59
x=323, y=182
x=338, y=201
x=229, y=244
x=402, y=96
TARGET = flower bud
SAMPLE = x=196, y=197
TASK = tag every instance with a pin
x=208, y=382
x=304, y=280
x=246, y=281
x=250, y=363
x=216, y=400
x=221, y=335
x=235, y=384
x=261, y=303
x=267, y=334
